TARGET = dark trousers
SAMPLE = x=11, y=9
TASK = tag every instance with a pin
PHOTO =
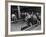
x=28, y=21
x=33, y=21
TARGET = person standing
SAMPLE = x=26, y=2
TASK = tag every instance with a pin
x=38, y=17
x=29, y=16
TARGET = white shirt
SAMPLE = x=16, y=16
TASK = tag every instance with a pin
x=28, y=16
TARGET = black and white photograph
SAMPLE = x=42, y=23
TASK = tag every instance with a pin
x=24, y=18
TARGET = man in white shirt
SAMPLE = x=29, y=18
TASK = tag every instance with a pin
x=13, y=18
x=28, y=18
x=31, y=19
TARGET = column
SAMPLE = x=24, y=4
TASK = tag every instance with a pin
x=19, y=11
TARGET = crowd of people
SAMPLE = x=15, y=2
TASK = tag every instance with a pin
x=30, y=18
